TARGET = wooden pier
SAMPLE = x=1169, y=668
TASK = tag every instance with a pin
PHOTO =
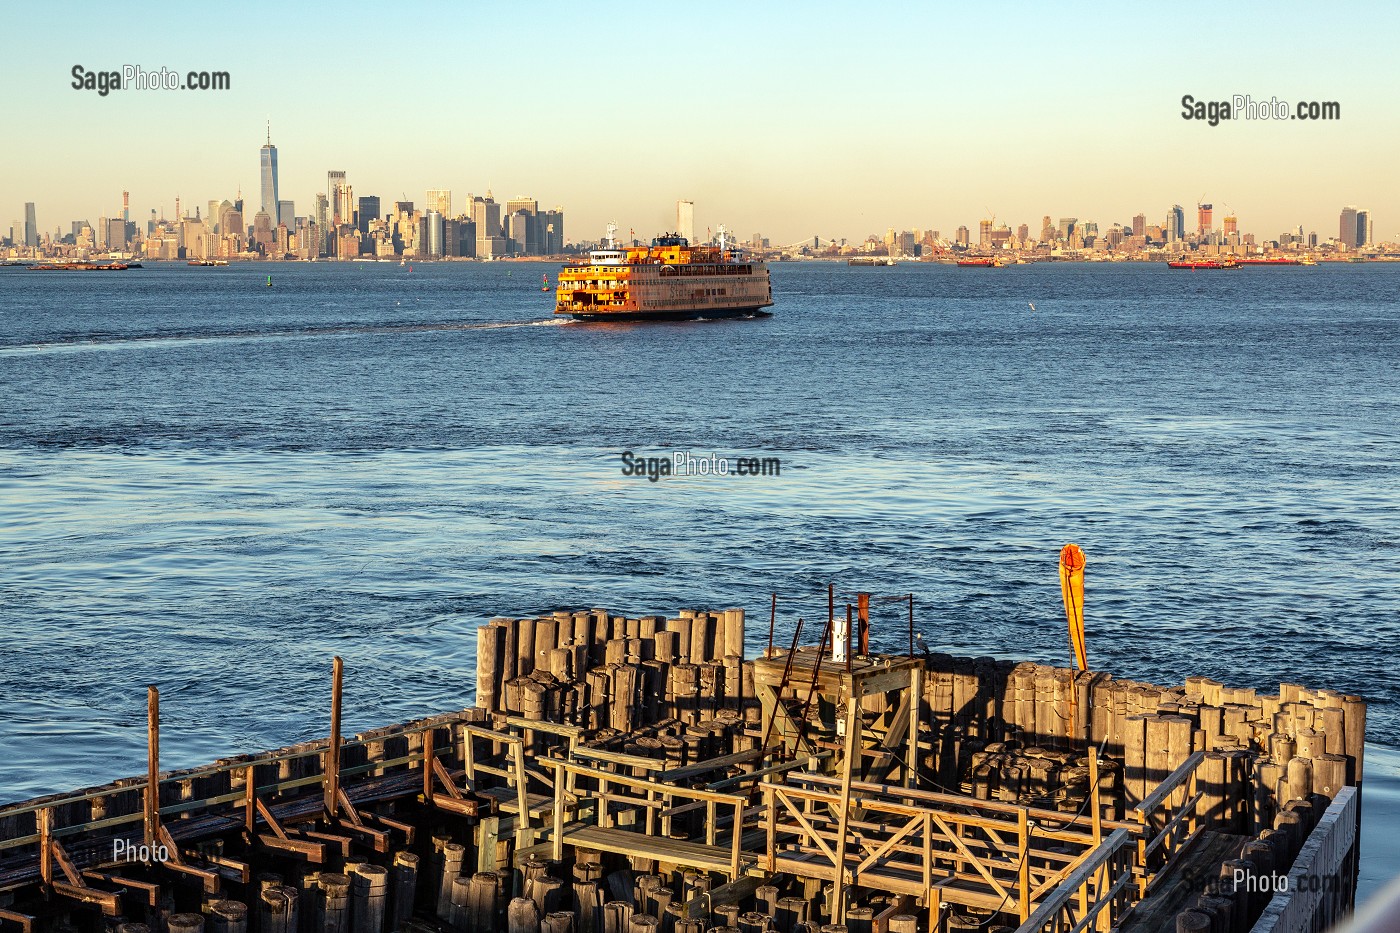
x=641, y=775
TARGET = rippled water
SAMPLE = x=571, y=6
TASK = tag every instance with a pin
x=215, y=486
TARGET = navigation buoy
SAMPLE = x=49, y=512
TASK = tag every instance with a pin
x=269, y=281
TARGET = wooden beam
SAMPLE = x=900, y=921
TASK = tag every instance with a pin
x=332, y=768
x=712, y=764
x=853, y=726
x=107, y=900
x=152, y=815
x=152, y=890
x=45, y=817
x=60, y=856
x=24, y=921
x=311, y=850
x=271, y=820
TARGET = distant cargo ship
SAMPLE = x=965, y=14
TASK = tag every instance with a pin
x=668, y=280
x=981, y=261
x=1203, y=264
x=207, y=262
x=1274, y=261
x=870, y=261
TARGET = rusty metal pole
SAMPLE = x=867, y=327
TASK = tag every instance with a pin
x=331, y=780
x=152, y=820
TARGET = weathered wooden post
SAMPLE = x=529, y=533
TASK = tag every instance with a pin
x=152, y=821
x=331, y=778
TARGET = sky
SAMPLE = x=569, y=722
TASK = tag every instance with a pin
x=792, y=120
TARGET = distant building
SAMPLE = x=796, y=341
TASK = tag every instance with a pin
x=552, y=232
x=984, y=233
x=1347, y=233
x=440, y=200
x=486, y=214
x=434, y=234
x=262, y=231
x=1023, y=234
x=368, y=213
x=962, y=237
x=343, y=207
x=1363, y=228
x=287, y=214
x=31, y=225
x=685, y=220
x=1140, y=225
x=268, y=158
x=1176, y=223
x=1066, y=227
x=1204, y=223
x=1230, y=224
x=335, y=180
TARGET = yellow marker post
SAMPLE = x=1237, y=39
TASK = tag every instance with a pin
x=1072, y=589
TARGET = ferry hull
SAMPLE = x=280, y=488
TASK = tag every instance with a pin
x=694, y=314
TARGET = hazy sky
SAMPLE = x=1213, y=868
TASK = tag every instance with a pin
x=785, y=119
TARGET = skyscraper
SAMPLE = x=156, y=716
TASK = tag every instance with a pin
x=344, y=204
x=287, y=214
x=685, y=220
x=31, y=225
x=1139, y=225
x=369, y=211
x=1231, y=224
x=268, y=204
x=335, y=179
x=1363, y=227
x=435, y=232
x=1176, y=223
x=1347, y=233
x=1204, y=223
x=440, y=200
x=552, y=232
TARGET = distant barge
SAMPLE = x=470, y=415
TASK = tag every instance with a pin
x=83, y=266
x=638, y=774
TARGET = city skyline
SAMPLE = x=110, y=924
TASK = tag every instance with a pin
x=821, y=123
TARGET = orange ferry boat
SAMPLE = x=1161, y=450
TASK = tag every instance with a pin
x=668, y=280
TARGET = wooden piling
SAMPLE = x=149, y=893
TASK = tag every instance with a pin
x=335, y=903
x=369, y=885
x=523, y=916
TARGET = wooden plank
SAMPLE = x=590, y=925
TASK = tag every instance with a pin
x=713, y=764
x=309, y=849
x=24, y=921
x=152, y=890
x=848, y=766
x=107, y=900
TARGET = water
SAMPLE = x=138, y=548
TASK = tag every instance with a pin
x=215, y=486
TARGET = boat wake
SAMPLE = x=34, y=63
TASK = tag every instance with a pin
x=119, y=341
